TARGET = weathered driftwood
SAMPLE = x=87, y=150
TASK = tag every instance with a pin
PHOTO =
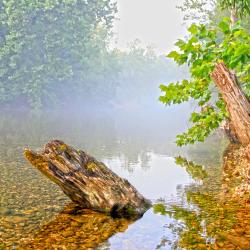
x=237, y=104
x=87, y=181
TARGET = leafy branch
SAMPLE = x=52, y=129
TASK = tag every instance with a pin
x=206, y=46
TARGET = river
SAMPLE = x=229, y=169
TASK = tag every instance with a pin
x=139, y=146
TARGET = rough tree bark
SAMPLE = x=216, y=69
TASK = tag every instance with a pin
x=87, y=181
x=237, y=103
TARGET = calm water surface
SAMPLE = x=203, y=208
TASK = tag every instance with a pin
x=35, y=214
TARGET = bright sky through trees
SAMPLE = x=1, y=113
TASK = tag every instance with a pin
x=154, y=22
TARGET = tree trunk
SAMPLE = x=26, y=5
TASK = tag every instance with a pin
x=237, y=103
x=87, y=181
x=233, y=15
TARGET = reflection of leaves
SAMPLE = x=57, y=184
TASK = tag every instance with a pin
x=189, y=232
x=195, y=227
x=196, y=171
x=163, y=243
x=201, y=218
x=217, y=217
x=159, y=209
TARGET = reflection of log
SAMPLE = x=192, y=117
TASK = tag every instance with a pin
x=76, y=228
x=88, y=182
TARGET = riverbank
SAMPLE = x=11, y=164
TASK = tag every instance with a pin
x=236, y=173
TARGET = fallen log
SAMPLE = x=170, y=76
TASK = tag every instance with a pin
x=87, y=181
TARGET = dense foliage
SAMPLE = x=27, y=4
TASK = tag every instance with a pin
x=201, y=51
x=48, y=44
x=57, y=53
x=242, y=7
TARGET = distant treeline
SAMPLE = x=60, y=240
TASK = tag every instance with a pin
x=56, y=52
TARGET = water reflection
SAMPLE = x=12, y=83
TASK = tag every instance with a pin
x=129, y=142
x=138, y=146
x=197, y=172
x=105, y=134
x=202, y=219
x=75, y=228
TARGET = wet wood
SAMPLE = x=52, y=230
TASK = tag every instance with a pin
x=237, y=103
x=87, y=181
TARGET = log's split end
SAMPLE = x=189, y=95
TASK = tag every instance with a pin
x=87, y=181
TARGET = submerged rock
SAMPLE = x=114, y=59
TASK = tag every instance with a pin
x=5, y=211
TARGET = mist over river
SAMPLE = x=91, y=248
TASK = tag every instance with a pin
x=137, y=144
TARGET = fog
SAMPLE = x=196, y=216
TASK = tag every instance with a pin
x=65, y=70
x=62, y=64
x=154, y=22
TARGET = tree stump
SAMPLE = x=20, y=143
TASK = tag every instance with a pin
x=237, y=104
x=87, y=181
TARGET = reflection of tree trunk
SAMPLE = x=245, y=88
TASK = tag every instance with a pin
x=76, y=228
x=88, y=182
x=237, y=104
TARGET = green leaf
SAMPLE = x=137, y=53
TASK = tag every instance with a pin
x=181, y=44
x=174, y=54
x=224, y=26
x=193, y=29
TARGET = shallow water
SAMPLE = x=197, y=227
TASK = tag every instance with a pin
x=35, y=214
